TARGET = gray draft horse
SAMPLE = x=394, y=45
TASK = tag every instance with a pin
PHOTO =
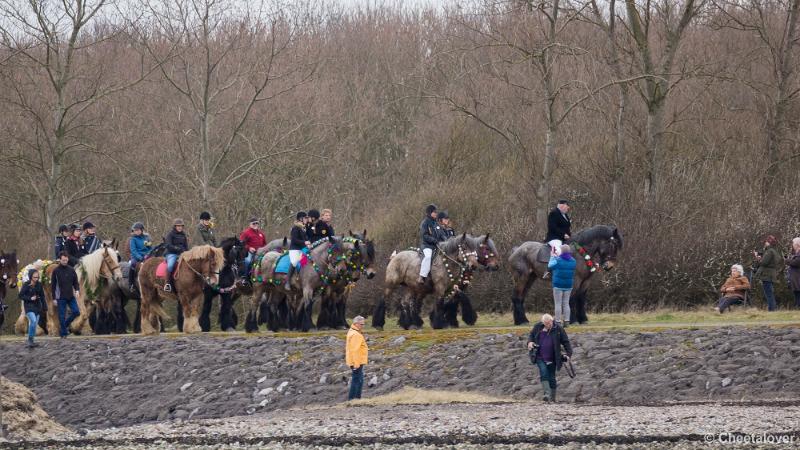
x=455, y=258
x=528, y=262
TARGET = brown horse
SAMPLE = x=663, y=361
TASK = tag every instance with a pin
x=8, y=278
x=528, y=262
x=455, y=258
x=196, y=268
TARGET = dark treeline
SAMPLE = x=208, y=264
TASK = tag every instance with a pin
x=676, y=121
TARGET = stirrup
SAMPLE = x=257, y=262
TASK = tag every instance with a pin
x=167, y=287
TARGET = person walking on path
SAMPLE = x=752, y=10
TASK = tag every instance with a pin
x=64, y=283
x=563, y=270
x=356, y=356
x=32, y=296
x=544, y=346
x=767, y=270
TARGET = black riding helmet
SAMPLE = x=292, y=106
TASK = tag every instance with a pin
x=62, y=228
x=137, y=226
x=301, y=215
x=74, y=227
x=205, y=215
x=443, y=215
x=313, y=213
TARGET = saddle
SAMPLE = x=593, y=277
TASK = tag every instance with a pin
x=282, y=265
x=543, y=255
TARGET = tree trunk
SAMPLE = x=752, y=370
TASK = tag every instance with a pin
x=655, y=129
x=619, y=150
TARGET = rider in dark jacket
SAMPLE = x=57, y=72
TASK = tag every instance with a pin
x=61, y=239
x=297, y=242
x=73, y=245
x=559, y=223
x=90, y=240
x=175, y=243
x=444, y=222
x=431, y=233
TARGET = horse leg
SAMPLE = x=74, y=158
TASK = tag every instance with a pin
x=137, y=321
x=208, y=303
x=324, y=320
x=416, y=314
x=579, y=314
x=149, y=322
x=451, y=312
x=379, y=315
x=438, y=315
x=251, y=322
x=405, y=311
x=283, y=312
x=226, y=312
x=521, y=287
x=191, y=311
x=307, y=305
x=468, y=314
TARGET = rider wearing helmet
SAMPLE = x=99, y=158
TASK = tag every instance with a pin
x=90, y=240
x=176, y=242
x=140, y=246
x=205, y=230
x=61, y=239
x=299, y=241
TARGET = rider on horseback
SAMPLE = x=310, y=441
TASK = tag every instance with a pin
x=319, y=227
x=299, y=240
x=205, y=230
x=444, y=222
x=90, y=240
x=73, y=245
x=253, y=239
x=558, y=229
x=140, y=246
x=175, y=243
x=431, y=233
x=61, y=239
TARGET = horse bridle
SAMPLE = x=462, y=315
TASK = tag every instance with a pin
x=108, y=265
x=485, y=254
x=206, y=279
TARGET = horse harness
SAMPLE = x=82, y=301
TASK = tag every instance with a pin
x=465, y=273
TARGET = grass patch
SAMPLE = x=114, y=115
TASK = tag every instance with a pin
x=414, y=396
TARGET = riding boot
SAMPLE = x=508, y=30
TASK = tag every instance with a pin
x=288, y=285
x=547, y=391
x=170, y=280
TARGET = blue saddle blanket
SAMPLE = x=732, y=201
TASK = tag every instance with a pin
x=283, y=263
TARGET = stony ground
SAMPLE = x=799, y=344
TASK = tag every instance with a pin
x=100, y=383
x=518, y=425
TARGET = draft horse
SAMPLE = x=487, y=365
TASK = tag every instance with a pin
x=454, y=260
x=196, y=268
x=9, y=266
x=595, y=249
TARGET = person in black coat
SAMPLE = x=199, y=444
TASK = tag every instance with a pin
x=444, y=222
x=64, y=285
x=34, y=302
x=175, y=242
x=61, y=239
x=544, y=344
x=297, y=242
x=73, y=246
x=91, y=241
x=559, y=223
x=430, y=234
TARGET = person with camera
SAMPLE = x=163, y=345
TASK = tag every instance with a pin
x=766, y=264
x=544, y=348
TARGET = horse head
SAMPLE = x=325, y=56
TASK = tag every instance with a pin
x=110, y=267
x=462, y=249
x=9, y=266
x=366, y=254
x=234, y=251
x=488, y=256
x=602, y=241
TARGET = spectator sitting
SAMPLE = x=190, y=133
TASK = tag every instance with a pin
x=734, y=289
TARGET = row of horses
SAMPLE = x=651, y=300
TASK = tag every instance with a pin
x=335, y=265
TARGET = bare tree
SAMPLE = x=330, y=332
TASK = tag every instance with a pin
x=775, y=24
x=52, y=86
x=224, y=62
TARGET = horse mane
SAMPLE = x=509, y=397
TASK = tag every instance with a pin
x=450, y=246
x=227, y=243
x=595, y=233
x=91, y=264
x=201, y=252
x=476, y=242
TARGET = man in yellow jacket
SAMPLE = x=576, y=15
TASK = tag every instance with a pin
x=356, y=356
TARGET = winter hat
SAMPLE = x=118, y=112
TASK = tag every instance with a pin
x=177, y=222
x=253, y=219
